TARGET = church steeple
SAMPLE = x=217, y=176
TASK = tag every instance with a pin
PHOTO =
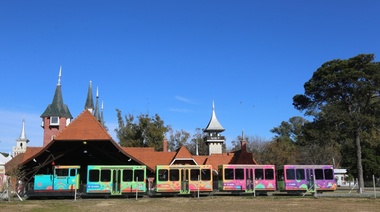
x=213, y=138
x=97, y=111
x=89, y=101
x=57, y=115
x=21, y=142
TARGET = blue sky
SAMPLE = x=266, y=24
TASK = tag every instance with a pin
x=173, y=58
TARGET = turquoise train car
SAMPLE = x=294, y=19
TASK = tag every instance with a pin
x=62, y=182
x=95, y=180
x=115, y=180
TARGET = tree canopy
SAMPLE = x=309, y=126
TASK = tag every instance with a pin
x=145, y=132
x=343, y=95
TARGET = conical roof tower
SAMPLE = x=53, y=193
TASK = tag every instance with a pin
x=213, y=138
x=57, y=115
x=89, y=105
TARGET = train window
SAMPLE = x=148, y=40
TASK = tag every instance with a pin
x=239, y=174
x=300, y=174
x=290, y=174
x=72, y=172
x=269, y=174
x=174, y=174
x=259, y=174
x=139, y=175
x=194, y=173
x=229, y=174
x=105, y=175
x=318, y=174
x=206, y=174
x=62, y=172
x=329, y=174
x=127, y=175
x=93, y=176
x=163, y=175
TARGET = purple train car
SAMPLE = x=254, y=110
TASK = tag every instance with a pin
x=305, y=178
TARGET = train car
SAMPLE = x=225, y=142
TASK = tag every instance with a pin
x=115, y=180
x=245, y=178
x=62, y=182
x=306, y=178
x=183, y=179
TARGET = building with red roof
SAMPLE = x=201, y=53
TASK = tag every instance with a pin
x=85, y=141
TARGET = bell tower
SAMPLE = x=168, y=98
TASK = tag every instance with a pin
x=21, y=142
x=56, y=116
x=213, y=138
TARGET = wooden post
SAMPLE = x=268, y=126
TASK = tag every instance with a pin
x=137, y=180
x=199, y=184
x=374, y=185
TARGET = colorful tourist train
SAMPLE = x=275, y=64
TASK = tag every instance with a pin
x=79, y=157
x=121, y=180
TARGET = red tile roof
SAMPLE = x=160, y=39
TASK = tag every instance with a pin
x=84, y=127
x=149, y=157
x=21, y=158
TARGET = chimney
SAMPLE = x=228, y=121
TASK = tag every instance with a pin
x=243, y=143
x=165, y=145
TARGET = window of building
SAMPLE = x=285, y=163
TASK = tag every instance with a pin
x=54, y=121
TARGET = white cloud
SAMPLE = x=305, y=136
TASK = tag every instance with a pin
x=183, y=99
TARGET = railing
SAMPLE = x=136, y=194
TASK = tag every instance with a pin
x=214, y=138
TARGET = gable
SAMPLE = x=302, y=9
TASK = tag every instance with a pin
x=84, y=127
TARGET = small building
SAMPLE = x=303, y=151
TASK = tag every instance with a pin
x=342, y=179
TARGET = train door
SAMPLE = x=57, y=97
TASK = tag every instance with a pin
x=184, y=173
x=249, y=179
x=310, y=178
x=116, y=179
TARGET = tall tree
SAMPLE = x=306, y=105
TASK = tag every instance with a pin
x=177, y=139
x=145, y=132
x=291, y=130
x=348, y=92
x=197, y=142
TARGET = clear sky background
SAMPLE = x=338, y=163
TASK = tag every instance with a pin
x=173, y=58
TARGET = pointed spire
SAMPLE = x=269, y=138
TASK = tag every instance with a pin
x=59, y=75
x=89, y=101
x=22, y=134
x=57, y=107
x=101, y=115
x=214, y=125
x=96, y=112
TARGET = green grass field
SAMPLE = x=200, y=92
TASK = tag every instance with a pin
x=207, y=203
